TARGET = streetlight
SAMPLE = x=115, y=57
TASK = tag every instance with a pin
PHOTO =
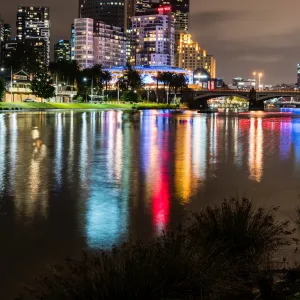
x=260, y=75
x=254, y=75
x=11, y=82
x=85, y=79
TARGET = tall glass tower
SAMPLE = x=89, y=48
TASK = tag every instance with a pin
x=33, y=27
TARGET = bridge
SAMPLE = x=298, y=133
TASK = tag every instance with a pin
x=255, y=98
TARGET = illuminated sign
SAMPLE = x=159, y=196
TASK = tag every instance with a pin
x=164, y=9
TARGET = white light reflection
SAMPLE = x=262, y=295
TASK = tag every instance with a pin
x=71, y=147
x=107, y=206
x=2, y=151
x=58, y=148
x=256, y=149
x=13, y=152
x=83, y=150
x=199, y=148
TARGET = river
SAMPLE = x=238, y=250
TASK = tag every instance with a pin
x=87, y=180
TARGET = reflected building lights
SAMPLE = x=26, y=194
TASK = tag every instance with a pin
x=58, y=149
x=256, y=149
x=13, y=153
x=183, y=164
x=107, y=206
x=200, y=148
x=71, y=147
x=213, y=139
x=83, y=150
x=2, y=151
x=285, y=138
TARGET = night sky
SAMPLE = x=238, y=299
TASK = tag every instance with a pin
x=261, y=35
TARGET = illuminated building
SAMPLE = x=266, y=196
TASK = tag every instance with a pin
x=149, y=72
x=5, y=32
x=241, y=83
x=84, y=42
x=62, y=51
x=298, y=75
x=181, y=11
x=7, y=49
x=191, y=57
x=109, y=12
x=98, y=43
x=152, y=38
x=109, y=45
x=33, y=23
x=72, y=54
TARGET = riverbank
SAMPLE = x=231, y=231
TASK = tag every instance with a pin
x=113, y=105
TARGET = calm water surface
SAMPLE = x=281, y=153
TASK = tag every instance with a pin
x=85, y=180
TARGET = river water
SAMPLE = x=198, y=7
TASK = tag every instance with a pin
x=85, y=180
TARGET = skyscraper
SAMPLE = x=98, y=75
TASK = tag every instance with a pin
x=62, y=51
x=190, y=56
x=109, y=45
x=84, y=42
x=99, y=43
x=33, y=27
x=152, y=38
x=72, y=48
x=107, y=11
x=5, y=32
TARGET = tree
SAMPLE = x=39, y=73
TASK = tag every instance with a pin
x=2, y=88
x=42, y=85
x=131, y=79
x=179, y=81
x=158, y=78
x=106, y=78
x=66, y=71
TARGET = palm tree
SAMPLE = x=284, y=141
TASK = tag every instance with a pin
x=106, y=77
x=179, y=81
x=131, y=79
x=158, y=77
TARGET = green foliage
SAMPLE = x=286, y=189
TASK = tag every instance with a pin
x=131, y=79
x=130, y=96
x=66, y=71
x=42, y=85
x=106, y=77
x=2, y=88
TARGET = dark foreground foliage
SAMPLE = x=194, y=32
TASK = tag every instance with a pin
x=221, y=254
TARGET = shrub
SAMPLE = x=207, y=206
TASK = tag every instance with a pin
x=211, y=258
x=248, y=232
x=165, y=268
x=130, y=96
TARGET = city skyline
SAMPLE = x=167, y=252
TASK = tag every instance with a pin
x=267, y=39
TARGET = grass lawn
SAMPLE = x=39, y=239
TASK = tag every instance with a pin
x=48, y=105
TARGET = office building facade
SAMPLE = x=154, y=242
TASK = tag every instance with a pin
x=152, y=38
x=84, y=42
x=98, y=43
x=33, y=26
x=62, y=51
x=110, y=12
x=109, y=45
x=190, y=56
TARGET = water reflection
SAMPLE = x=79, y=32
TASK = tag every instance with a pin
x=90, y=179
x=256, y=149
